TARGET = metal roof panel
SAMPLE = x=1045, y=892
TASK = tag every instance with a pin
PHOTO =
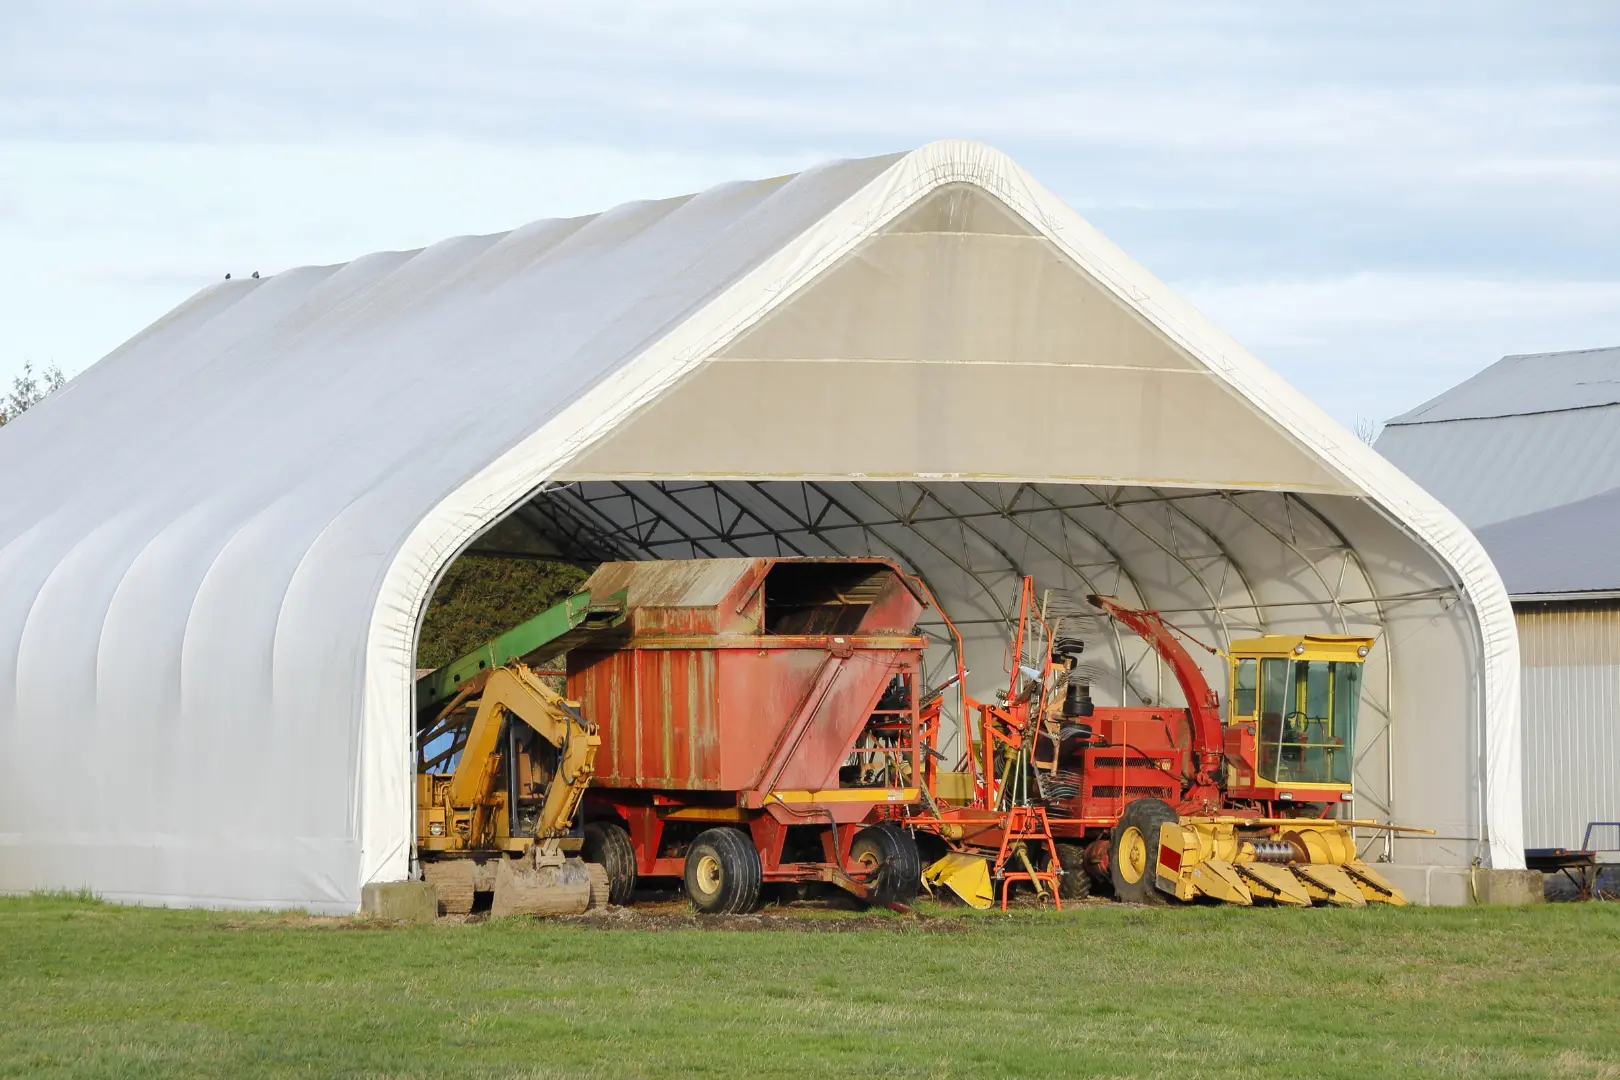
x=1527, y=384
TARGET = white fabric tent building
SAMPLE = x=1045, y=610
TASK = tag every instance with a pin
x=220, y=540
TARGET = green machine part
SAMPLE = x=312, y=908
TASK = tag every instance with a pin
x=556, y=629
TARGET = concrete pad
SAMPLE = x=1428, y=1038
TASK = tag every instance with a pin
x=406, y=901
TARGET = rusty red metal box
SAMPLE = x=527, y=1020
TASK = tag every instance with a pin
x=742, y=675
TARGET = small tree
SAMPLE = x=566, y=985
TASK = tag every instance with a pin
x=1367, y=430
x=29, y=388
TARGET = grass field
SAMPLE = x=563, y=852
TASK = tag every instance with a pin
x=91, y=989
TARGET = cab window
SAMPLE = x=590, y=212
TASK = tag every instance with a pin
x=1308, y=720
x=1244, y=686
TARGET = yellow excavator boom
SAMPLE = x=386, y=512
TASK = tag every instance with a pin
x=463, y=849
x=516, y=691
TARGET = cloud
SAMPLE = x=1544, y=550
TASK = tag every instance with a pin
x=1418, y=184
x=1376, y=344
x=1303, y=312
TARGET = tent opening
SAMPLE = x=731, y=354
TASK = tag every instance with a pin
x=1219, y=564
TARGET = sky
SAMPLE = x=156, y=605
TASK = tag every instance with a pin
x=1377, y=199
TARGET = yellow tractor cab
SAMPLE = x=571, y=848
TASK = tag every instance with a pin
x=1291, y=717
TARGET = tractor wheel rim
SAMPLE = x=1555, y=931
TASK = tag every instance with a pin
x=708, y=873
x=1132, y=855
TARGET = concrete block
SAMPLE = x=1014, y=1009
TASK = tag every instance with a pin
x=1509, y=887
x=406, y=901
x=1455, y=886
x=1434, y=886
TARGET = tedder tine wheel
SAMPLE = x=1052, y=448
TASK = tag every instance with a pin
x=1135, y=851
x=892, y=863
x=608, y=844
x=1076, y=881
x=723, y=872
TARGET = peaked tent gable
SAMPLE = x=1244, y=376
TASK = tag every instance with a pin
x=957, y=342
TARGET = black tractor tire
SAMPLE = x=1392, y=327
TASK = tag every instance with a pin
x=893, y=853
x=1075, y=884
x=608, y=845
x=1143, y=818
x=723, y=872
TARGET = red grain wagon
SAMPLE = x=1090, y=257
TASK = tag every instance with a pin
x=753, y=713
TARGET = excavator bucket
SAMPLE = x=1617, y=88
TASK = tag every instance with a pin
x=968, y=876
x=525, y=887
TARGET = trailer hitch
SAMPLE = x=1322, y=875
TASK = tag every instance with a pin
x=835, y=875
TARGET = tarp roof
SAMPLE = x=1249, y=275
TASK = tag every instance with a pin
x=221, y=538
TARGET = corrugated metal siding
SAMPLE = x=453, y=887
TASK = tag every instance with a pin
x=1571, y=695
x=1491, y=470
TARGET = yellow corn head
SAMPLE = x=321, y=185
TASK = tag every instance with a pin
x=1302, y=862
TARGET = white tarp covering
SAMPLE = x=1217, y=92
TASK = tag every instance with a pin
x=219, y=540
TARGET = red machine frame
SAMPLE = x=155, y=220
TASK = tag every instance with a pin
x=1178, y=755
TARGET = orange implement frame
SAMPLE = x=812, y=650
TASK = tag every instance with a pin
x=1026, y=825
x=1007, y=836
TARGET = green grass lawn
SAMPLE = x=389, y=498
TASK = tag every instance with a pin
x=91, y=989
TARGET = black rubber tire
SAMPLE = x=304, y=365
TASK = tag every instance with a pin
x=1075, y=884
x=738, y=874
x=608, y=844
x=1146, y=816
x=899, y=864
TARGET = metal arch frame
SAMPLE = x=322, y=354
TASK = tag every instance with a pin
x=720, y=529
x=579, y=518
x=640, y=533
x=1218, y=607
x=1174, y=506
x=1215, y=601
x=1018, y=571
x=1122, y=569
x=1014, y=568
x=705, y=543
